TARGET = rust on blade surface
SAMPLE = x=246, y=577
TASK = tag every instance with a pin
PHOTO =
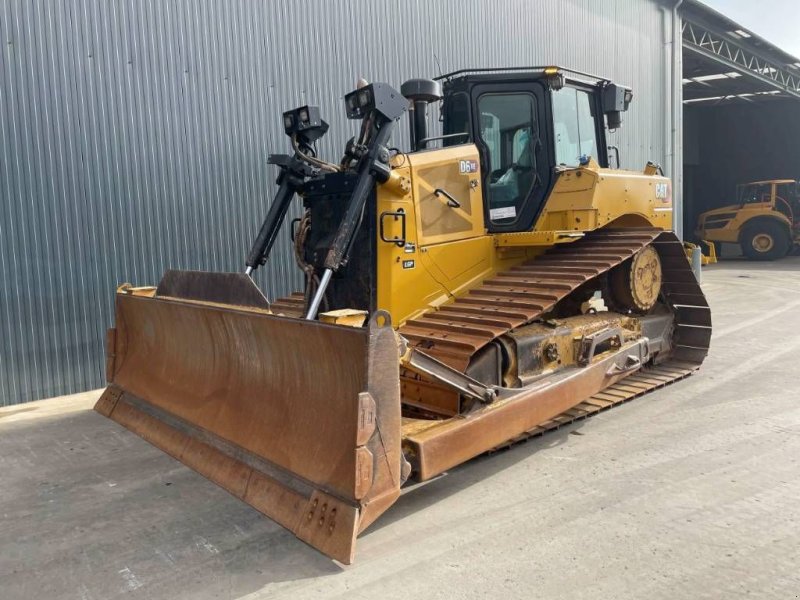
x=265, y=407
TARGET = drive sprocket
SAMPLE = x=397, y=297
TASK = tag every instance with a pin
x=636, y=283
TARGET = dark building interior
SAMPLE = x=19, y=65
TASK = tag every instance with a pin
x=741, y=103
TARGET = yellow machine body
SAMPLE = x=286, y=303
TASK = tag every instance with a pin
x=448, y=250
x=764, y=223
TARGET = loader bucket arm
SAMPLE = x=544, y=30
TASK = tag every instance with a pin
x=299, y=419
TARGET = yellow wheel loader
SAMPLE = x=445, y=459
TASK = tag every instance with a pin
x=491, y=283
x=765, y=222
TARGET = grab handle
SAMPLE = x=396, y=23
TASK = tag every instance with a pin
x=399, y=214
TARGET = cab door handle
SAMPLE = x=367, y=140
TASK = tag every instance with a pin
x=451, y=202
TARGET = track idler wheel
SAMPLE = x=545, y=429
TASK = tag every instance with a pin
x=636, y=283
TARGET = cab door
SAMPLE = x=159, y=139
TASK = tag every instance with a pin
x=452, y=240
x=509, y=129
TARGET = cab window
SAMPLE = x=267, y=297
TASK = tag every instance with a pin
x=509, y=132
x=574, y=126
x=786, y=201
x=456, y=120
x=787, y=191
x=754, y=194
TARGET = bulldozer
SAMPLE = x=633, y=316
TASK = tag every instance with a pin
x=491, y=283
x=765, y=222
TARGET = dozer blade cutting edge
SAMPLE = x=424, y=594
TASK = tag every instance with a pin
x=299, y=419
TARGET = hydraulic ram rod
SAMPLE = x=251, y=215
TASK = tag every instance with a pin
x=340, y=248
x=348, y=228
x=271, y=225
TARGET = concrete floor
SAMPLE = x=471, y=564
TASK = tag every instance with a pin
x=690, y=492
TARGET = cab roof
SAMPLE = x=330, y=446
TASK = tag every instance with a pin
x=766, y=181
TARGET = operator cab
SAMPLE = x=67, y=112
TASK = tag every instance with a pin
x=528, y=126
x=781, y=194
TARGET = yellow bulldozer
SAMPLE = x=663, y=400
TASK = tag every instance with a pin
x=491, y=283
x=765, y=221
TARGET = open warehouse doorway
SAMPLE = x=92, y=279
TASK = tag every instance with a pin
x=741, y=122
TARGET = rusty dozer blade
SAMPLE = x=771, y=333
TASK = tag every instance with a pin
x=299, y=419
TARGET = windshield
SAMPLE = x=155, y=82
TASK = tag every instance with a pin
x=754, y=193
x=574, y=126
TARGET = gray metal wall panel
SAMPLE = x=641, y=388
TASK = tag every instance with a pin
x=134, y=134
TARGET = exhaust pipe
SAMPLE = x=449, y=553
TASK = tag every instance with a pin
x=420, y=92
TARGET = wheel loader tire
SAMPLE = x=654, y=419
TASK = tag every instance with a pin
x=764, y=240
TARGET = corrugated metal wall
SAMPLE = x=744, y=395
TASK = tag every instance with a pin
x=134, y=134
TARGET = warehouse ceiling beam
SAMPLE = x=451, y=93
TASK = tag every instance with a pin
x=723, y=48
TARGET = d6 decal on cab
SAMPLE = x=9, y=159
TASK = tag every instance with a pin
x=465, y=167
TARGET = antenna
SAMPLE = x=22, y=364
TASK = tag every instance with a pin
x=438, y=65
